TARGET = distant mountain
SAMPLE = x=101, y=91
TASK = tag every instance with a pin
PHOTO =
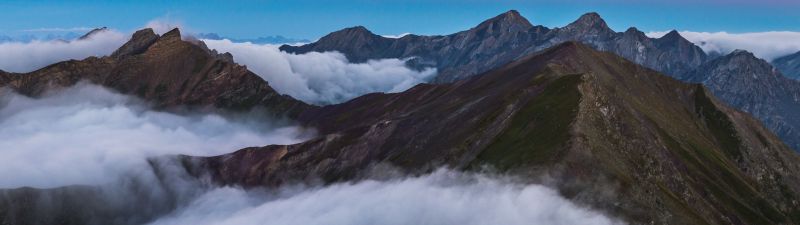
x=789, y=65
x=505, y=38
x=49, y=37
x=166, y=70
x=93, y=32
x=753, y=85
x=277, y=39
x=609, y=133
x=509, y=36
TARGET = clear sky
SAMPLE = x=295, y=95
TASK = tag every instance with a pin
x=312, y=19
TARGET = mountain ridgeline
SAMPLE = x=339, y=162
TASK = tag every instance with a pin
x=504, y=38
x=509, y=36
x=617, y=136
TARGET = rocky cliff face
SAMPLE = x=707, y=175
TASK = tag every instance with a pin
x=507, y=37
x=166, y=70
x=615, y=135
x=789, y=65
x=754, y=86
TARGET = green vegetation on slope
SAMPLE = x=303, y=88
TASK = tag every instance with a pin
x=539, y=128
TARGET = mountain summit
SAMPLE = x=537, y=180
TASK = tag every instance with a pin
x=510, y=21
x=589, y=24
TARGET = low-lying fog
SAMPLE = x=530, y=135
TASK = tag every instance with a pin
x=443, y=197
x=90, y=135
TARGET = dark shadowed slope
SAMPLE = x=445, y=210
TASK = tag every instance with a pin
x=754, y=86
x=504, y=38
x=165, y=70
x=612, y=134
x=789, y=65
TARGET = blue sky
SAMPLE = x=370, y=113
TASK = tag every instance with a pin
x=312, y=19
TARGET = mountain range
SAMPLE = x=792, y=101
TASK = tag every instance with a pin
x=505, y=38
x=509, y=36
x=277, y=39
x=585, y=108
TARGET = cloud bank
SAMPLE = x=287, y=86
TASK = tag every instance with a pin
x=444, y=197
x=29, y=56
x=395, y=36
x=322, y=78
x=57, y=29
x=89, y=135
x=766, y=45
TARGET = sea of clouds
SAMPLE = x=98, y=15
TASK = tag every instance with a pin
x=443, y=197
x=90, y=135
x=322, y=78
x=765, y=45
x=28, y=56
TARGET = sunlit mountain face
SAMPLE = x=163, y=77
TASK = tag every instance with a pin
x=387, y=113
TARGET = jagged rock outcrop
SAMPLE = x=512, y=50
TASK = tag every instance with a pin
x=610, y=133
x=507, y=37
x=166, y=70
x=754, y=86
x=789, y=65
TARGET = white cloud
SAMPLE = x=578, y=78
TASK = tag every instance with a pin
x=322, y=78
x=444, y=197
x=163, y=25
x=395, y=36
x=89, y=135
x=29, y=56
x=766, y=45
x=57, y=29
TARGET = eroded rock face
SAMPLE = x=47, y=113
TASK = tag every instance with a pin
x=612, y=134
x=789, y=65
x=507, y=37
x=165, y=70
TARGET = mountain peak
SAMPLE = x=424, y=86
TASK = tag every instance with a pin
x=172, y=34
x=507, y=21
x=673, y=35
x=356, y=30
x=351, y=33
x=590, y=22
x=93, y=32
x=741, y=52
x=139, y=42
